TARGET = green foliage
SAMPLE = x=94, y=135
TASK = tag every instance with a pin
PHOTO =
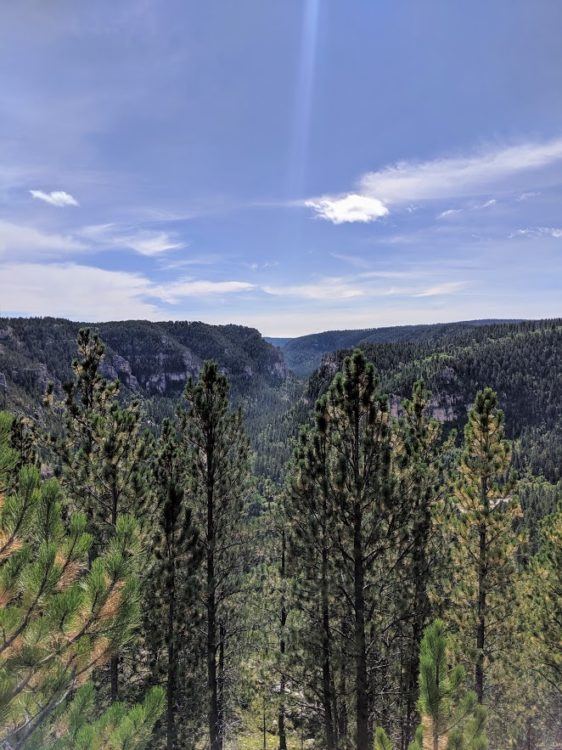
x=451, y=717
x=382, y=740
x=118, y=728
x=386, y=521
x=59, y=620
x=484, y=546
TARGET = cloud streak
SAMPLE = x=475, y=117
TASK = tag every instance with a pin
x=84, y=292
x=58, y=198
x=173, y=293
x=522, y=166
x=143, y=241
x=27, y=242
x=461, y=176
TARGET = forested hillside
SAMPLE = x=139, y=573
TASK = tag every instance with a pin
x=368, y=558
x=149, y=359
x=304, y=353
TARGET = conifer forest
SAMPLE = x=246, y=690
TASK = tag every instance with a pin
x=365, y=556
x=280, y=375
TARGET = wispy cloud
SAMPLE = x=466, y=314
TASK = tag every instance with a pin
x=450, y=212
x=149, y=243
x=459, y=176
x=27, y=242
x=58, y=198
x=75, y=291
x=521, y=166
x=142, y=241
x=348, y=208
x=172, y=293
x=324, y=289
x=449, y=287
x=85, y=292
x=361, y=285
x=554, y=232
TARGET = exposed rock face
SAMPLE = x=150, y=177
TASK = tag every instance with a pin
x=148, y=359
x=444, y=408
x=116, y=367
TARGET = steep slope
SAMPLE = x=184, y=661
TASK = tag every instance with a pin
x=304, y=354
x=522, y=362
x=152, y=360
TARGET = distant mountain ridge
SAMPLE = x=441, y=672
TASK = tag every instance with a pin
x=149, y=359
x=522, y=362
x=304, y=354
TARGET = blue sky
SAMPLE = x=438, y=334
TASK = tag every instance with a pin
x=294, y=165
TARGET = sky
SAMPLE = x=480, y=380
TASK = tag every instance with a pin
x=291, y=165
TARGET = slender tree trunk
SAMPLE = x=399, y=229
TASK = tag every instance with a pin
x=361, y=684
x=420, y=616
x=342, y=715
x=283, y=620
x=213, y=705
x=264, y=726
x=222, y=684
x=481, y=617
x=114, y=663
x=172, y=667
x=327, y=684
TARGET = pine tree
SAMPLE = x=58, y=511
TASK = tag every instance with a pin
x=217, y=473
x=59, y=619
x=365, y=516
x=485, y=513
x=541, y=594
x=350, y=536
x=312, y=542
x=170, y=585
x=119, y=727
x=102, y=455
x=422, y=471
x=451, y=717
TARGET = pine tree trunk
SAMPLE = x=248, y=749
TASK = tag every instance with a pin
x=342, y=715
x=221, y=684
x=213, y=706
x=172, y=668
x=361, y=685
x=420, y=616
x=481, y=617
x=114, y=663
x=327, y=691
x=283, y=621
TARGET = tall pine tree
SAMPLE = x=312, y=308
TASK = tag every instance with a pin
x=102, y=453
x=217, y=474
x=484, y=518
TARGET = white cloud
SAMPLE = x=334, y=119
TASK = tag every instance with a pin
x=554, y=232
x=84, y=292
x=74, y=291
x=172, y=293
x=325, y=289
x=528, y=195
x=448, y=287
x=460, y=176
x=362, y=285
x=348, y=208
x=449, y=213
x=26, y=242
x=150, y=243
x=142, y=241
x=55, y=198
